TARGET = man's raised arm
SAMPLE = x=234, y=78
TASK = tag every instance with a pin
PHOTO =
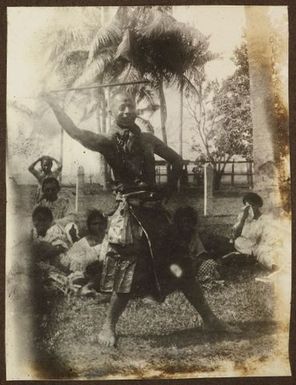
x=33, y=170
x=88, y=139
x=168, y=154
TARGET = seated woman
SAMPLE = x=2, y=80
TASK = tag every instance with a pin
x=84, y=255
x=61, y=207
x=50, y=241
x=252, y=233
x=185, y=253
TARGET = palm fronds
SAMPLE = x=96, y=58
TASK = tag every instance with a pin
x=158, y=23
x=106, y=37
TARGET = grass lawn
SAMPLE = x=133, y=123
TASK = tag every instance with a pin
x=166, y=340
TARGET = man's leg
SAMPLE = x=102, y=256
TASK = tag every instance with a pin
x=194, y=295
x=117, y=305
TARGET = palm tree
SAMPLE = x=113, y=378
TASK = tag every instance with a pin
x=66, y=44
x=138, y=43
x=66, y=53
x=145, y=43
x=265, y=128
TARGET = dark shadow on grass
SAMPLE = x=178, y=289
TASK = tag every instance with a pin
x=48, y=366
x=198, y=336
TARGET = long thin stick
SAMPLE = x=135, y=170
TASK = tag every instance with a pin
x=87, y=88
x=100, y=86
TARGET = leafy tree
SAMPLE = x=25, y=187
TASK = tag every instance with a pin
x=222, y=116
x=138, y=42
x=146, y=42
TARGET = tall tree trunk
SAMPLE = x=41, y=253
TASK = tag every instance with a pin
x=217, y=179
x=265, y=129
x=181, y=120
x=101, y=128
x=163, y=111
x=61, y=154
x=108, y=127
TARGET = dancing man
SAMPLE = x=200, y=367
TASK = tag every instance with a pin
x=132, y=255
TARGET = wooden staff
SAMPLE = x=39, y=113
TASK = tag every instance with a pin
x=100, y=86
x=92, y=86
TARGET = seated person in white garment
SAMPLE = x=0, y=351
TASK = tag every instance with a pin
x=61, y=206
x=84, y=256
x=253, y=234
x=49, y=240
x=87, y=249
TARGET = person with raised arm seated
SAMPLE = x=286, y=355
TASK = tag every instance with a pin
x=253, y=235
x=45, y=171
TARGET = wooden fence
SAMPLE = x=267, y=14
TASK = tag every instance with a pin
x=236, y=174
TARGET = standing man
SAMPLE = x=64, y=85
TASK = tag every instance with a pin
x=45, y=171
x=131, y=251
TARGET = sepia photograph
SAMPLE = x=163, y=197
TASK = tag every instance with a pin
x=148, y=220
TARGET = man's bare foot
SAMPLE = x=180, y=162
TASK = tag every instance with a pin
x=107, y=337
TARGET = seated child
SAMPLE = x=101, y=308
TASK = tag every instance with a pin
x=50, y=240
x=61, y=206
x=84, y=255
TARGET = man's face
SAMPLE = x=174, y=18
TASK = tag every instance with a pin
x=50, y=191
x=46, y=165
x=123, y=110
x=41, y=225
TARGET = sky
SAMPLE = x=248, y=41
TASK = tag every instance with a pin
x=224, y=24
x=25, y=63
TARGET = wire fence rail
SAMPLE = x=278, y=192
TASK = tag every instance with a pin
x=237, y=174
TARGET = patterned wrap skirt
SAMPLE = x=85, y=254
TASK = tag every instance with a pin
x=130, y=250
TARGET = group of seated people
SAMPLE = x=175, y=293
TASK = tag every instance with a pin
x=57, y=246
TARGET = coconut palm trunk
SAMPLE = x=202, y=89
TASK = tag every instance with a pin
x=163, y=111
x=61, y=153
x=101, y=128
x=265, y=128
x=181, y=120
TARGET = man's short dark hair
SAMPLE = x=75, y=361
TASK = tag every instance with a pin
x=118, y=93
x=41, y=212
x=253, y=198
x=94, y=214
x=50, y=179
x=186, y=212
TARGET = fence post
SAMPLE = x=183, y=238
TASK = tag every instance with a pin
x=232, y=173
x=208, y=189
x=79, y=186
x=251, y=175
